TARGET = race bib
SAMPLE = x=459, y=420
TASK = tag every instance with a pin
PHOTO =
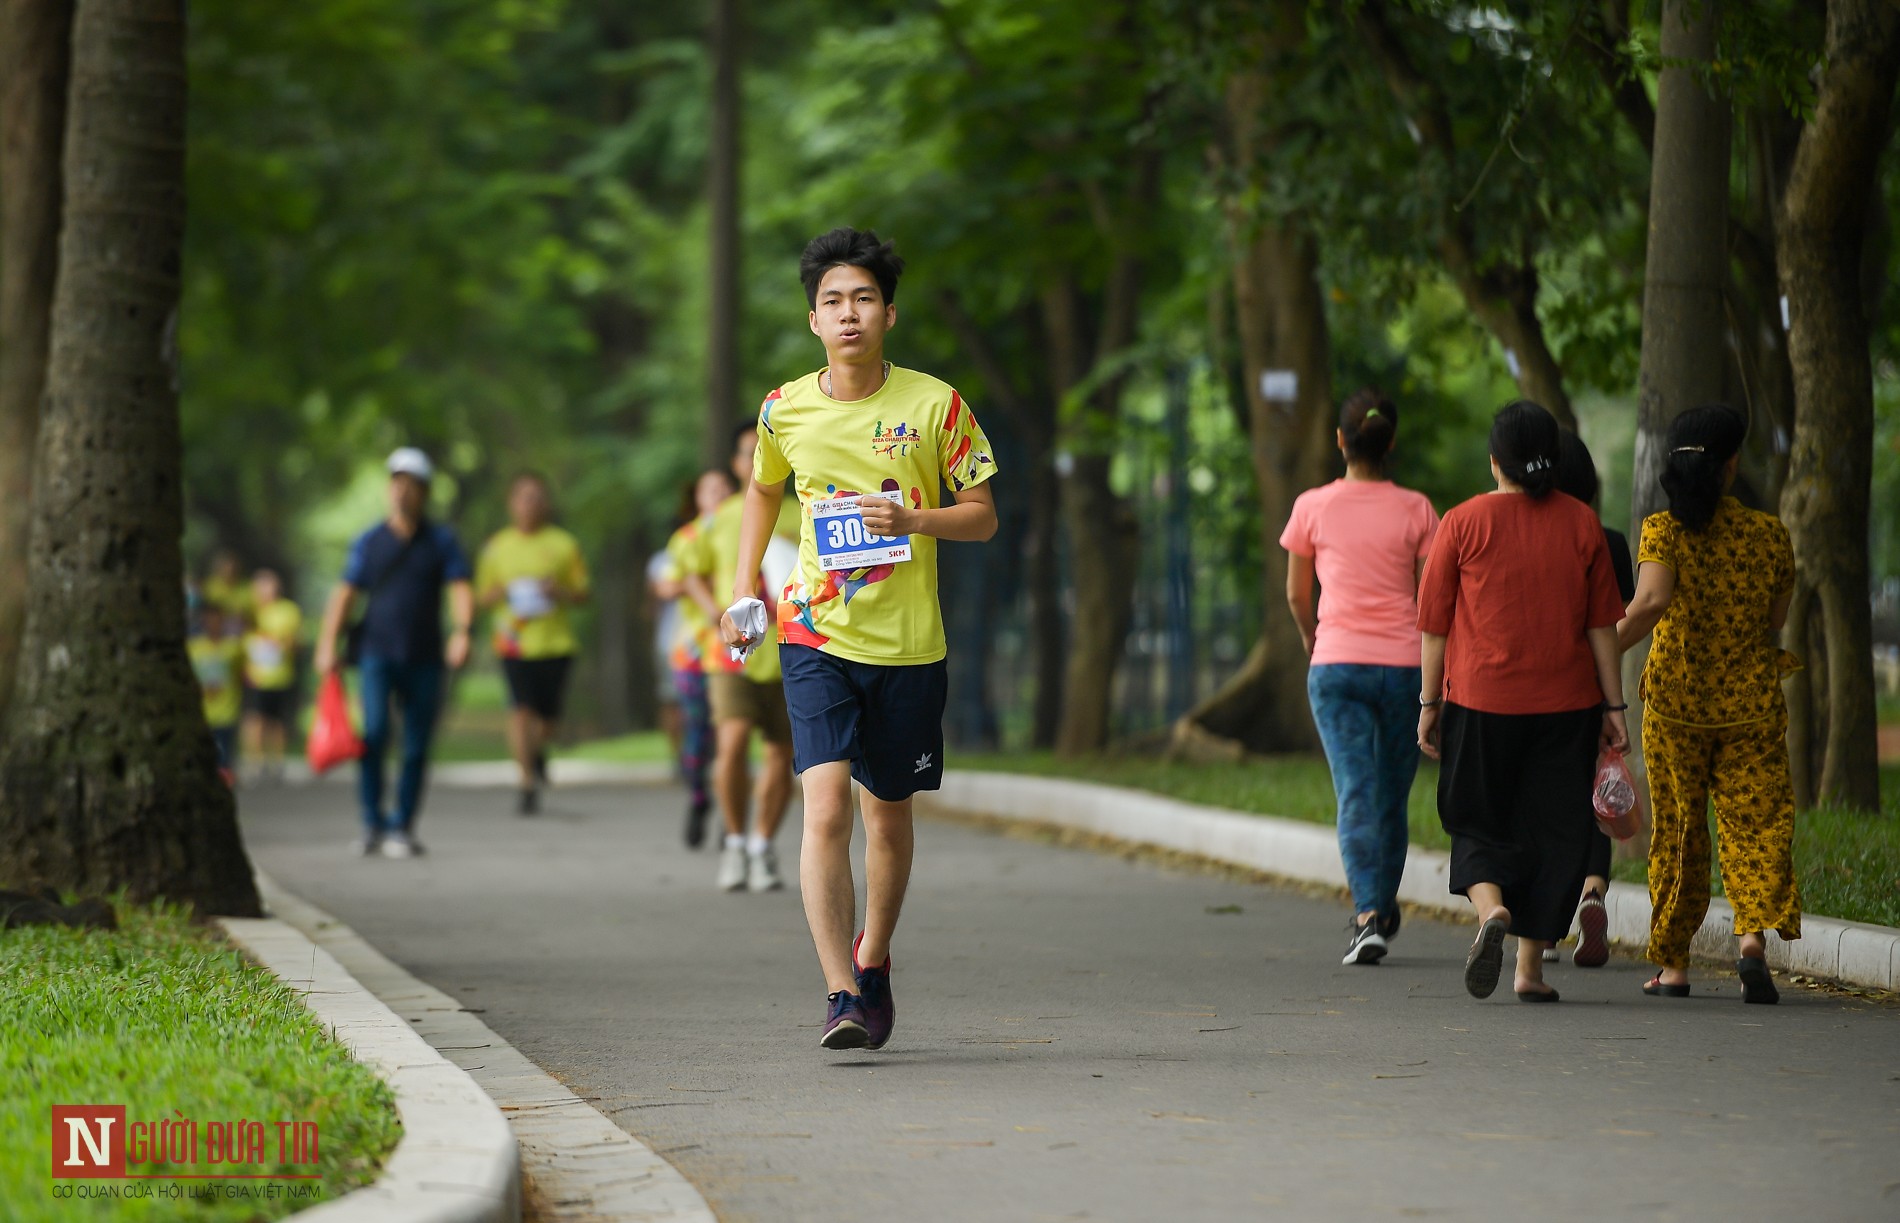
x=843, y=541
x=528, y=599
x=265, y=654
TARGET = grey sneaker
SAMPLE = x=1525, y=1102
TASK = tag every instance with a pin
x=366, y=845
x=762, y=871
x=400, y=845
x=732, y=868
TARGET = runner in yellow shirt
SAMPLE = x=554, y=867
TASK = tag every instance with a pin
x=270, y=673
x=217, y=658
x=529, y=574
x=693, y=642
x=744, y=696
x=870, y=447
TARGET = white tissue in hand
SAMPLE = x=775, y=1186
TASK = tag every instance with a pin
x=748, y=616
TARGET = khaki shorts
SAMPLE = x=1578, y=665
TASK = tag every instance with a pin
x=734, y=697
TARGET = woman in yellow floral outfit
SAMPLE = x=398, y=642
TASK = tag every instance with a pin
x=1714, y=580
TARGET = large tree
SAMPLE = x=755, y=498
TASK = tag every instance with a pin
x=34, y=38
x=1824, y=219
x=108, y=777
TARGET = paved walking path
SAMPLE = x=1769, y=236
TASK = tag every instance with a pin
x=1085, y=1037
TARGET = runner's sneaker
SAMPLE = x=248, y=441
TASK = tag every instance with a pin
x=761, y=873
x=1552, y=955
x=874, y=994
x=696, y=822
x=1593, y=926
x=844, y=1022
x=367, y=844
x=1367, y=945
x=530, y=803
x=732, y=869
x=400, y=845
x=1389, y=923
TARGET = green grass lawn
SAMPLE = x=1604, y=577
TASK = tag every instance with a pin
x=1848, y=863
x=168, y=1019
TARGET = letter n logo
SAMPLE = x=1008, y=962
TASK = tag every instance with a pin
x=88, y=1141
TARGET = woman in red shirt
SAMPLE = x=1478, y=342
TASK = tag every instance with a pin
x=1521, y=682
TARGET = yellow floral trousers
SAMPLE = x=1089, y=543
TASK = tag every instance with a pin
x=1745, y=770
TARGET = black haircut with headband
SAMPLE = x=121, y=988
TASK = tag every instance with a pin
x=1368, y=422
x=1699, y=445
x=845, y=247
x=1524, y=441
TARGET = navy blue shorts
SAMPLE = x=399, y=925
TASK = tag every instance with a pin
x=887, y=721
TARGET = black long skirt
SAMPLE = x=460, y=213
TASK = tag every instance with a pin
x=1514, y=795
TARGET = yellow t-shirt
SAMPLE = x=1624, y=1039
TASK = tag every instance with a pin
x=1715, y=660
x=233, y=596
x=713, y=554
x=692, y=641
x=913, y=435
x=270, y=649
x=218, y=662
x=528, y=624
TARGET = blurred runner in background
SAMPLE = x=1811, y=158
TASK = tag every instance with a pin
x=692, y=644
x=530, y=573
x=217, y=658
x=270, y=674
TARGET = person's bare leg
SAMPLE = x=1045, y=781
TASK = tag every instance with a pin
x=824, y=871
x=1754, y=945
x=889, y=842
x=253, y=732
x=276, y=740
x=520, y=745
x=1530, y=967
x=732, y=779
x=1487, y=899
x=773, y=792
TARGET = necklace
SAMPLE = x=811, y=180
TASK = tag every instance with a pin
x=882, y=379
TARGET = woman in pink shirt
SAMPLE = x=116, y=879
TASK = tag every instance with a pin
x=1365, y=538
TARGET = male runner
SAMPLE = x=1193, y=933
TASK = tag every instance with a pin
x=744, y=695
x=870, y=447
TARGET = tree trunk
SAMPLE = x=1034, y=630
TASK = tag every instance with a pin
x=1683, y=333
x=1825, y=500
x=723, y=407
x=108, y=778
x=34, y=45
x=1281, y=317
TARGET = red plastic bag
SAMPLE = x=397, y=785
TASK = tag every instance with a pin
x=332, y=740
x=1618, y=803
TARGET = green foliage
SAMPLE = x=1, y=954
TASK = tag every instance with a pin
x=160, y=1016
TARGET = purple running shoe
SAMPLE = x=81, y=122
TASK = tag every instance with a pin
x=874, y=992
x=844, y=1022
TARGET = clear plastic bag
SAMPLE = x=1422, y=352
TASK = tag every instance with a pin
x=1615, y=798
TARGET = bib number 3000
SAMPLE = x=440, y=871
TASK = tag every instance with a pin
x=844, y=542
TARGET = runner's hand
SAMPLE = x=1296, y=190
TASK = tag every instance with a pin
x=456, y=653
x=743, y=627
x=885, y=517
x=325, y=658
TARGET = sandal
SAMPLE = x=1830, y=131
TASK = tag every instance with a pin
x=1757, y=984
x=1532, y=995
x=1486, y=962
x=1656, y=987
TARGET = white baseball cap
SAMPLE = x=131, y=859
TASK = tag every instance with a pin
x=409, y=461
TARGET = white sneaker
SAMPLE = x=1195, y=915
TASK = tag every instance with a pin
x=732, y=868
x=762, y=871
x=400, y=845
x=1552, y=955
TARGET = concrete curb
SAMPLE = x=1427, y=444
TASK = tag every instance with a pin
x=1852, y=952
x=580, y=1165
x=457, y=1161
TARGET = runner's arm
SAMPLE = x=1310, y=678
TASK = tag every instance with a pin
x=699, y=589
x=462, y=615
x=972, y=519
x=755, y=530
x=1299, y=597
x=1431, y=687
x=335, y=612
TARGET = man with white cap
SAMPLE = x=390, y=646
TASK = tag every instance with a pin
x=402, y=566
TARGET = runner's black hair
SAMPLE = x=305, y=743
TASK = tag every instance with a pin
x=1369, y=422
x=1524, y=442
x=1700, y=443
x=856, y=248
x=1576, y=470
